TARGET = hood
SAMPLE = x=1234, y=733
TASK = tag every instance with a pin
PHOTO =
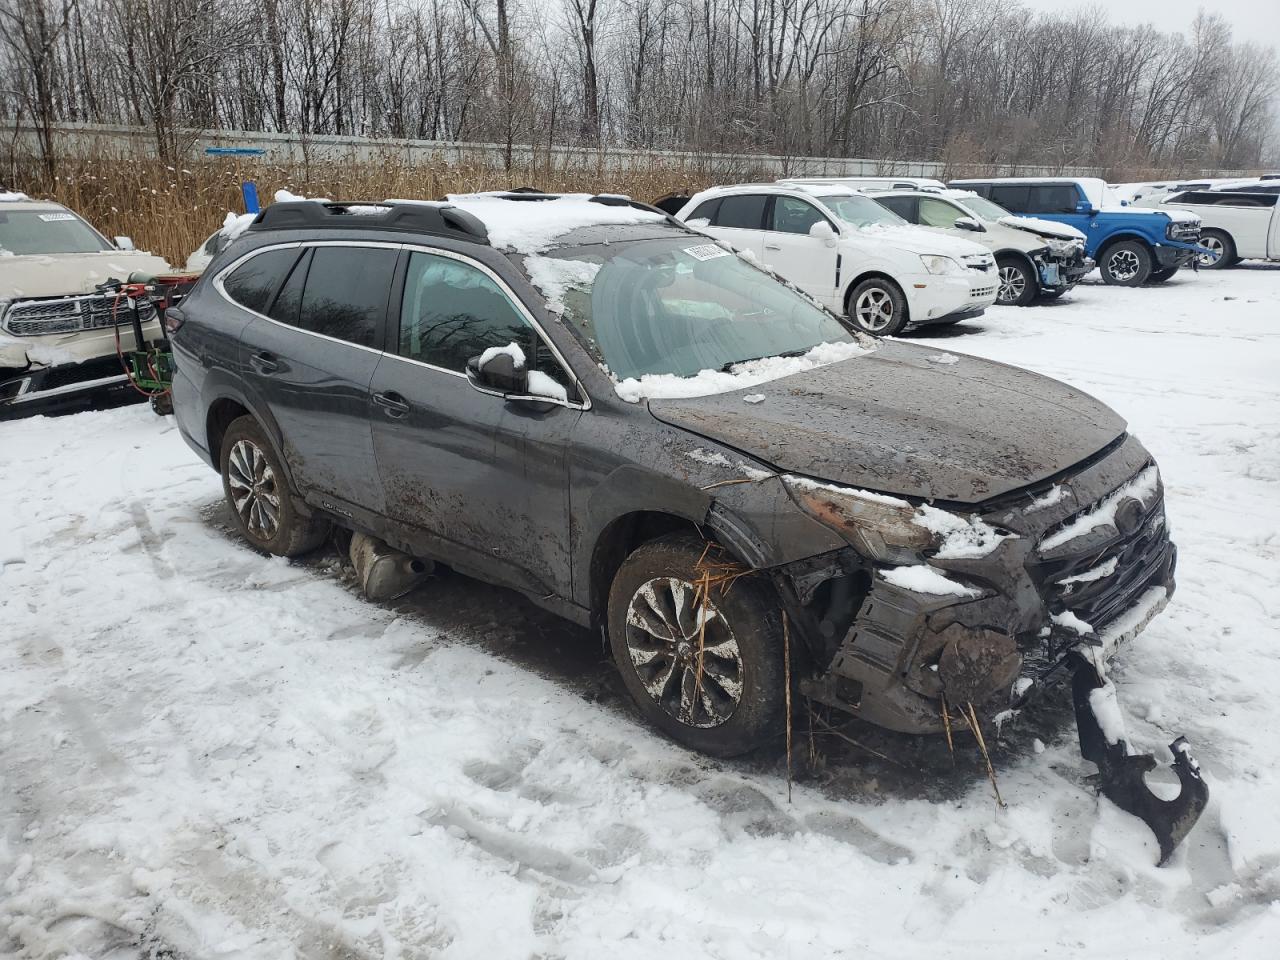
x=909, y=420
x=66, y=274
x=1043, y=228
x=922, y=242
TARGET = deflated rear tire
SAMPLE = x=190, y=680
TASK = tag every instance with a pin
x=706, y=671
x=257, y=490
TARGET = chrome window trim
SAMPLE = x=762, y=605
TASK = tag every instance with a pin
x=523, y=310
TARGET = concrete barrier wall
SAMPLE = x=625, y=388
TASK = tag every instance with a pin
x=95, y=140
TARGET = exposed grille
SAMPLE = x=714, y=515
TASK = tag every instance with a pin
x=979, y=292
x=34, y=318
x=1188, y=232
x=979, y=262
x=1103, y=580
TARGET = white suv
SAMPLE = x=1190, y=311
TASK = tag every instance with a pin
x=847, y=251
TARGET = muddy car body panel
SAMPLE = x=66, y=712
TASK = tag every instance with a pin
x=550, y=495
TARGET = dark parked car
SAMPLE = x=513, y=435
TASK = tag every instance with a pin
x=587, y=401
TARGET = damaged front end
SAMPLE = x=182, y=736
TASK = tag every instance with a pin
x=1061, y=264
x=984, y=608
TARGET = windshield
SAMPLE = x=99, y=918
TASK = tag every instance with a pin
x=678, y=307
x=47, y=231
x=985, y=208
x=860, y=211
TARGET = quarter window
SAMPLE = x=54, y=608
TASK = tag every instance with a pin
x=452, y=312
x=795, y=216
x=345, y=293
x=254, y=282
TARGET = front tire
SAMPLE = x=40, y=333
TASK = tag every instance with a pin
x=257, y=490
x=1222, y=250
x=877, y=306
x=1126, y=264
x=706, y=671
x=1018, y=283
x=1160, y=276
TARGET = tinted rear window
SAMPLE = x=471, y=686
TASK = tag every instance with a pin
x=905, y=207
x=254, y=282
x=1013, y=197
x=1053, y=198
x=743, y=211
x=346, y=293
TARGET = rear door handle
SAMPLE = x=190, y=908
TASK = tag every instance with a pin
x=264, y=363
x=392, y=404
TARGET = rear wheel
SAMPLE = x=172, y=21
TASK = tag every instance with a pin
x=706, y=668
x=878, y=307
x=1126, y=264
x=257, y=491
x=1222, y=250
x=1018, y=285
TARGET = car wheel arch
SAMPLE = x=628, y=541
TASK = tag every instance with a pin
x=873, y=275
x=1112, y=240
x=621, y=537
x=225, y=409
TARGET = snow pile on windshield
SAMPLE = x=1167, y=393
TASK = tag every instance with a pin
x=530, y=226
x=657, y=386
x=1142, y=488
x=554, y=278
x=1049, y=227
x=923, y=579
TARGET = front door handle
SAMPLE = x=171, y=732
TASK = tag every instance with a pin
x=264, y=363
x=772, y=246
x=392, y=404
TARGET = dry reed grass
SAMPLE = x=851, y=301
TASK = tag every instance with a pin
x=171, y=210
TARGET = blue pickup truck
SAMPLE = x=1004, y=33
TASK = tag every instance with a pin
x=1131, y=248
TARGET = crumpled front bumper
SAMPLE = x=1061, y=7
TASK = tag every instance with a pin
x=1062, y=274
x=1018, y=627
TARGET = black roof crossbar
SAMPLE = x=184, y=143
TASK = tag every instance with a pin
x=438, y=219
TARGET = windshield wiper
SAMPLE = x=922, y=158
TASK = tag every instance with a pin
x=789, y=353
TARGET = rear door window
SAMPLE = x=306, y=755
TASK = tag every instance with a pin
x=745, y=211
x=254, y=282
x=1014, y=197
x=905, y=207
x=1053, y=198
x=706, y=210
x=346, y=291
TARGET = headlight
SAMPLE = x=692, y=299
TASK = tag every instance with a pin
x=941, y=265
x=890, y=530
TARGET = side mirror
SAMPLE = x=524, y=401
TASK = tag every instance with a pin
x=1087, y=208
x=823, y=231
x=499, y=370
x=968, y=223
x=124, y=243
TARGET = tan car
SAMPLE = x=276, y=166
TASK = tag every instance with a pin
x=57, y=333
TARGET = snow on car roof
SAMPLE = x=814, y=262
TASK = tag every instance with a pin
x=13, y=197
x=529, y=226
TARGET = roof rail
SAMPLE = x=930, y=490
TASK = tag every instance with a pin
x=441, y=219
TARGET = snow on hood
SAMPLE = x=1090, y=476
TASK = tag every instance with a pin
x=705, y=383
x=918, y=240
x=530, y=226
x=1048, y=228
x=1181, y=216
x=68, y=274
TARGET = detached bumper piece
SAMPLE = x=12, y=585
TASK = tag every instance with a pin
x=1120, y=772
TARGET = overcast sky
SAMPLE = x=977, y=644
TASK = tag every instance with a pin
x=1256, y=20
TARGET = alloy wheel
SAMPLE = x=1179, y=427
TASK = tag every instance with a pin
x=1215, y=248
x=874, y=309
x=1124, y=265
x=254, y=492
x=684, y=652
x=1012, y=284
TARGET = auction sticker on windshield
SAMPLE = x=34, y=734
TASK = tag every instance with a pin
x=706, y=251
x=51, y=217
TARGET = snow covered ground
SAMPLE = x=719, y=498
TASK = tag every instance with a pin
x=205, y=753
